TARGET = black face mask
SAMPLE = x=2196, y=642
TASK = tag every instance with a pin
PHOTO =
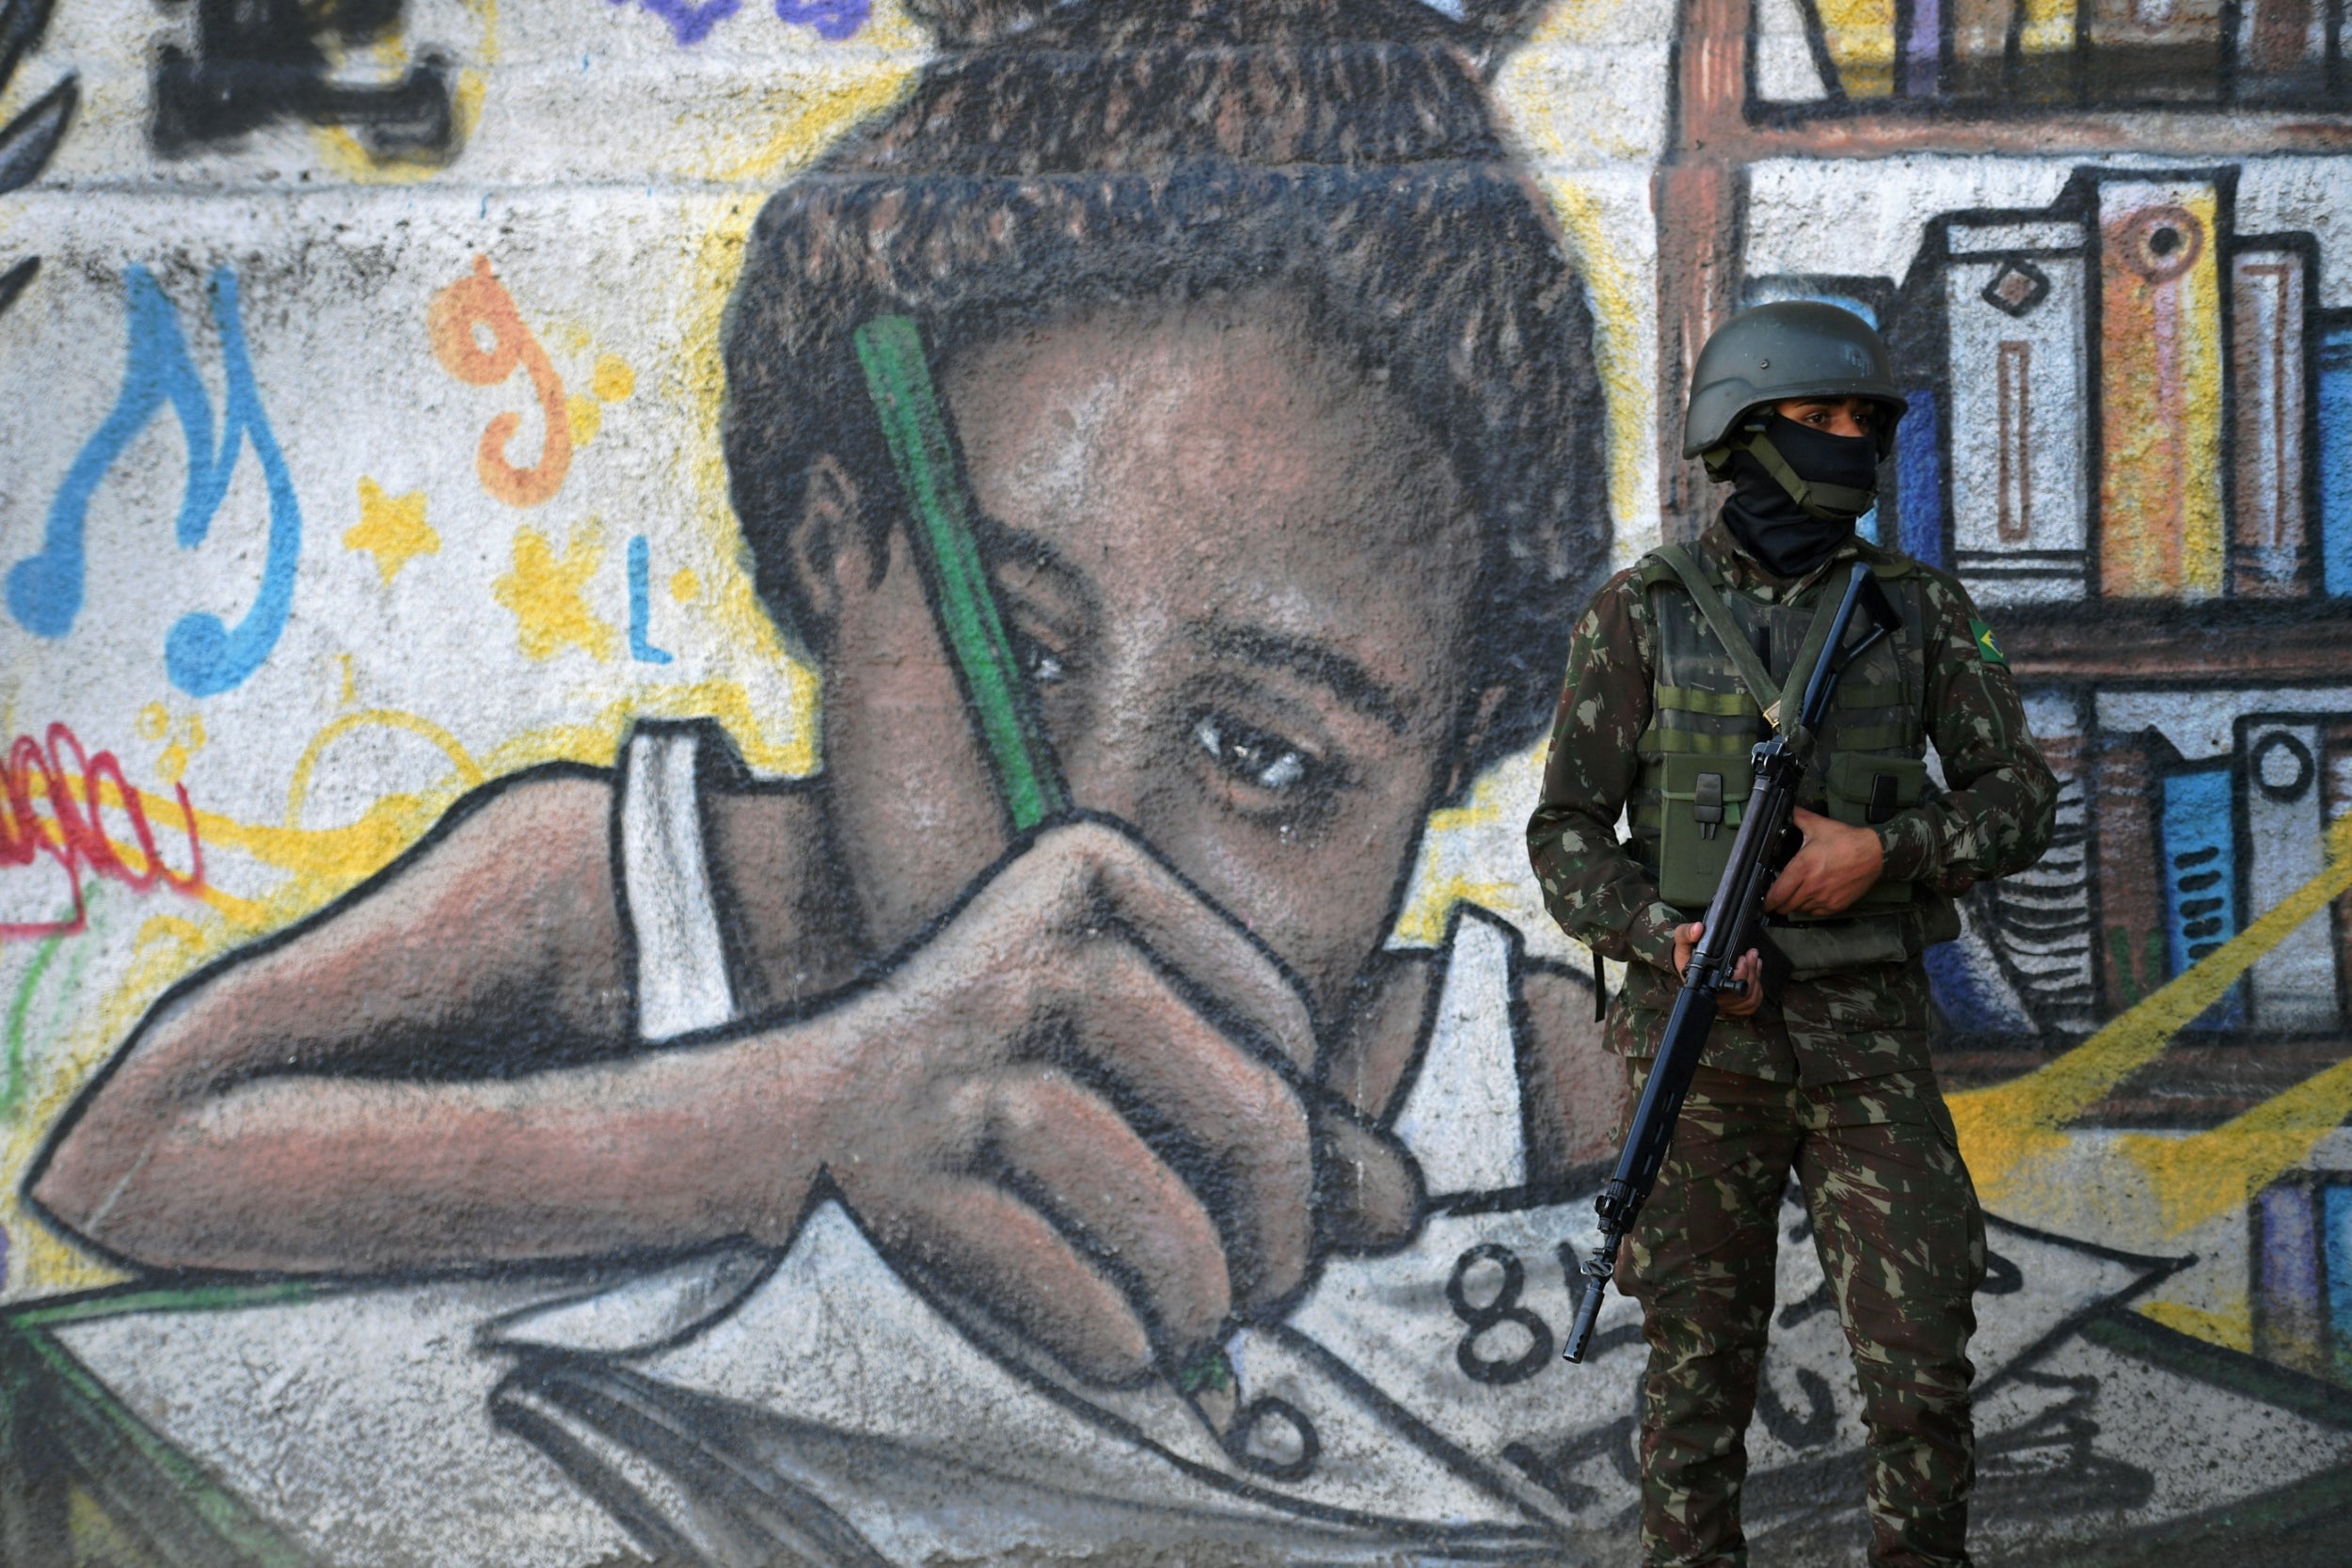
x=1765, y=517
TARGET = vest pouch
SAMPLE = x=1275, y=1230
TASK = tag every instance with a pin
x=1939, y=921
x=1866, y=791
x=1700, y=799
x=1818, y=948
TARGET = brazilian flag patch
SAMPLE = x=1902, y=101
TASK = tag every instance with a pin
x=1986, y=649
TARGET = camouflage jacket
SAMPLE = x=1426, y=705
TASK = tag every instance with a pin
x=1994, y=817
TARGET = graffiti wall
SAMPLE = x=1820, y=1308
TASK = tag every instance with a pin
x=765, y=763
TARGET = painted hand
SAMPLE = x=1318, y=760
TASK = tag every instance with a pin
x=1730, y=1003
x=1838, y=865
x=1083, y=1104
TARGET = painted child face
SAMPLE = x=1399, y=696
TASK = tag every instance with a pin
x=1237, y=574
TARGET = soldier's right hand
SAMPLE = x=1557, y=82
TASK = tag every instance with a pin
x=1079, y=1103
x=1749, y=972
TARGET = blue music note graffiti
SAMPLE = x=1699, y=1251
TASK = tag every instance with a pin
x=202, y=655
x=834, y=20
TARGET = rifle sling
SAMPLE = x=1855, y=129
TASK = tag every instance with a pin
x=1809, y=654
x=1779, y=703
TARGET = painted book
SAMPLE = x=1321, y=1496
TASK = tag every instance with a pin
x=2013, y=304
x=2335, y=456
x=2282, y=50
x=2198, y=856
x=2294, y=986
x=2160, y=374
x=2156, y=51
x=2270, y=398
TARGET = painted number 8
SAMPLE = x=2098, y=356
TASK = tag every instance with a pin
x=1503, y=1308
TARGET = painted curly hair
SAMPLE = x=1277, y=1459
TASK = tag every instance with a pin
x=1057, y=158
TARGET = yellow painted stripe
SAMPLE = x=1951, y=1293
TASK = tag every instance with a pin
x=1623, y=315
x=2004, y=1129
x=2234, y=1329
x=2210, y=1174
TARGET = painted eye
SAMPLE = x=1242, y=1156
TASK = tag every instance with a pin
x=1266, y=760
x=1040, y=665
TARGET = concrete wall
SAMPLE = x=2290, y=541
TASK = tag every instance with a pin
x=369, y=543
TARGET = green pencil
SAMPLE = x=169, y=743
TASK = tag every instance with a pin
x=1004, y=713
x=898, y=377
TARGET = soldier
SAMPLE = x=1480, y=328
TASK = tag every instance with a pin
x=1795, y=405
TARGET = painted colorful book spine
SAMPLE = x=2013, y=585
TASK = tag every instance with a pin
x=2160, y=374
x=1859, y=38
x=2293, y=986
x=2198, y=856
x=2159, y=52
x=1980, y=30
x=2269, y=387
x=2041, y=917
x=1919, y=504
x=2335, y=803
x=2020, y=49
x=2301, y=1273
x=2282, y=50
x=2335, y=457
x=2014, y=306
x=2131, y=898
x=1923, y=50
x=2049, y=51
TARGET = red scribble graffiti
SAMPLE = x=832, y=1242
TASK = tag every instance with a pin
x=74, y=832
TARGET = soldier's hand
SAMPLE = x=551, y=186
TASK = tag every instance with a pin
x=1838, y=865
x=1749, y=972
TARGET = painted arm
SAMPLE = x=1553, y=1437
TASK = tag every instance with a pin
x=438, y=1072
x=429, y=1071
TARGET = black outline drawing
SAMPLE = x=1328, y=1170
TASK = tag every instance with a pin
x=30, y=140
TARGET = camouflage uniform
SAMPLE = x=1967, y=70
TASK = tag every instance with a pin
x=1834, y=1082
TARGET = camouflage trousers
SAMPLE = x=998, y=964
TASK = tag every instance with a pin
x=1901, y=1240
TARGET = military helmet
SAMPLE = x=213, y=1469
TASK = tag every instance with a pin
x=1795, y=348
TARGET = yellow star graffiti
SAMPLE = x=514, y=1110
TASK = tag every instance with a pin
x=391, y=527
x=544, y=593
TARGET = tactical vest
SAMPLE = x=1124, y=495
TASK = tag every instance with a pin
x=1870, y=761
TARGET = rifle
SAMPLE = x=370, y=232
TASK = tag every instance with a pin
x=1761, y=848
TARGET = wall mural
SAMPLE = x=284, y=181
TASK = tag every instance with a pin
x=768, y=762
